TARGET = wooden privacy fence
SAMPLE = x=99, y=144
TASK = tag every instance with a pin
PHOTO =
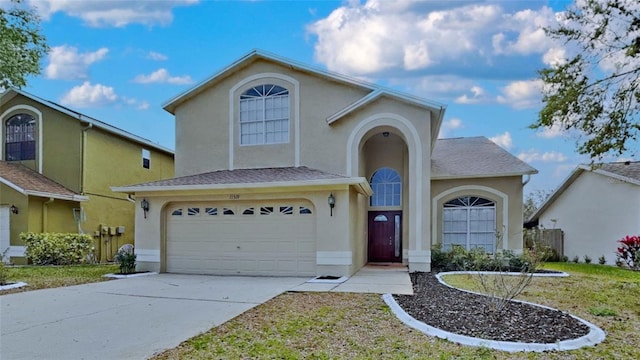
x=553, y=238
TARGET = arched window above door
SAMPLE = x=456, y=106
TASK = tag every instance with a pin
x=387, y=188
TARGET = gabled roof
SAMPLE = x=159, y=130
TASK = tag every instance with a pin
x=29, y=182
x=376, y=90
x=474, y=157
x=628, y=171
x=12, y=92
x=249, y=178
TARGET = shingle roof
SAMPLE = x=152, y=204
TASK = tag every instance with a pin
x=628, y=169
x=29, y=182
x=246, y=176
x=474, y=157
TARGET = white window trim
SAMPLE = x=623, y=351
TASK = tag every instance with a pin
x=466, y=190
x=295, y=112
x=468, y=218
x=38, y=117
x=265, y=121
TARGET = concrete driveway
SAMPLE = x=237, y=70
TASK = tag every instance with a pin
x=126, y=319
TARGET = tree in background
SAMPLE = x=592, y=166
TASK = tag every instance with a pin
x=21, y=45
x=597, y=91
x=533, y=201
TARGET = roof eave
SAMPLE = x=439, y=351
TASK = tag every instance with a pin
x=359, y=183
x=471, y=176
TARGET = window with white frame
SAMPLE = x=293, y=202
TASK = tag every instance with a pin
x=20, y=138
x=470, y=222
x=146, y=158
x=387, y=188
x=264, y=115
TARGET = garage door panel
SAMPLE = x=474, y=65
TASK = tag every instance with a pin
x=203, y=241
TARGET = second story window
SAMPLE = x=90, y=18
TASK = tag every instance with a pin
x=20, y=138
x=146, y=158
x=264, y=115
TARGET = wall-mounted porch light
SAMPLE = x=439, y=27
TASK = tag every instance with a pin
x=332, y=202
x=385, y=134
x=14, y=209
x=144, y=204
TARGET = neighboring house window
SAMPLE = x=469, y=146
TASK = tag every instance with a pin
x=470, y=222
x=264, y=115
x=146, y=158
x=20, y=140
x=387, y=188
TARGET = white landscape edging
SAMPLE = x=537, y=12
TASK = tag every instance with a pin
x=595, y=335
x=13, y=286
x=122, y=276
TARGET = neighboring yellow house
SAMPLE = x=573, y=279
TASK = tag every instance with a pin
x=56, y=170
x=283, y=169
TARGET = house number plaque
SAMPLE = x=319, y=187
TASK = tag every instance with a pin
x=234, y=196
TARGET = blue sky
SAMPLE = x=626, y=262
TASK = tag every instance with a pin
x=119, y=61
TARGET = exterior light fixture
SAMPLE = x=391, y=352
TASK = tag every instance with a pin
x=332, y=202
x=14, y=209
x=385, y=134
x=144, y=204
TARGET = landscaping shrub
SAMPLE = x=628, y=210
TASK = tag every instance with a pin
x=587, y=259
x=565, y=258
x=57, y=248
x=127, y=261
x=576, y=259
x=602, y=260
x=628, y=253
x=3, y=270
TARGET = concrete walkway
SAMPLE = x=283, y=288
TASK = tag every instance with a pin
x=377, y=279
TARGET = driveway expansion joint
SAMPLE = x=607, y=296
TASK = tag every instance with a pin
x=183, y=298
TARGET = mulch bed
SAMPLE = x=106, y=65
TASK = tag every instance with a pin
x=466, y=314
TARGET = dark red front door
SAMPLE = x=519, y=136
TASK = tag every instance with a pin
x=385, y=236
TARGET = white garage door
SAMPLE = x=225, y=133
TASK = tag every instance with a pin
x=267, y=238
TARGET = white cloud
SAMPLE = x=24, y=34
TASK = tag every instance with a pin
x=448, y=126
x=65, y=62
x=157, y=56
x=551, y=132
x=522, y=94
x=162, y=76
x=88, y=95
x=113, y=13
x=549, y=156
x=562, y=171
x=143, y=105
x=376, y=36
x=475, y=95
x=555, y=56
x=503, y=140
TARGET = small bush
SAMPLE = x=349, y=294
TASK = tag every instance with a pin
x=576, y=259
x=127, y=261
x=587, y=259
x=3, y=270
x=56, y=248
x=602, y=260
x=565, y=258
x=628, y=253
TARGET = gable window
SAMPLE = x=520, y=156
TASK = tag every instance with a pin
x=387, y=188
x=146, y=159
x=470, y=222
x=20, y=138
x=264, y=115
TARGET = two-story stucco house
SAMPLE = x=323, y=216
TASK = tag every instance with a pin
x=282, y=169
x=56, y=170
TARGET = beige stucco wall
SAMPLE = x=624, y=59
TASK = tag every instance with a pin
x=594, y=212
x=505, y=191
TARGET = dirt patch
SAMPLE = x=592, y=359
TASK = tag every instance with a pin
x=467, y=314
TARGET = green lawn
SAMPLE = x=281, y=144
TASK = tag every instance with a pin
x=42, y=277
x=360, y=326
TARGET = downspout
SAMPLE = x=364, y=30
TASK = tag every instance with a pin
x=526, y=181
x=45, y=215
x=83, y=163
